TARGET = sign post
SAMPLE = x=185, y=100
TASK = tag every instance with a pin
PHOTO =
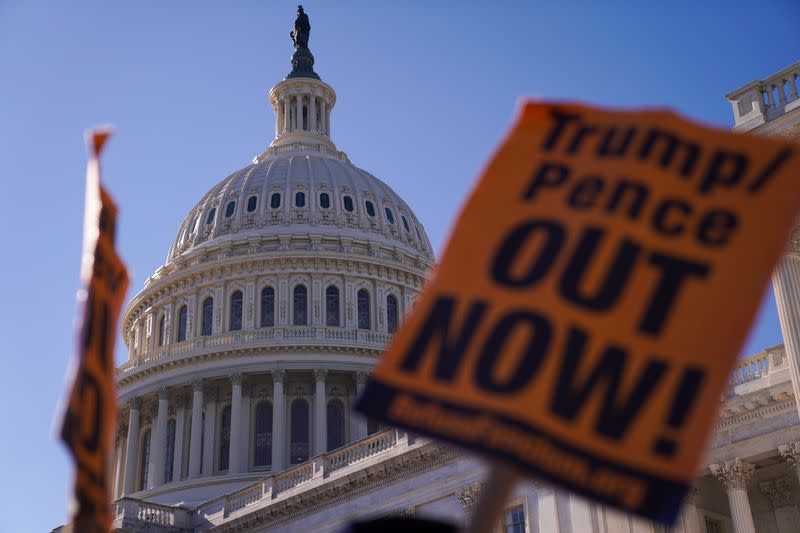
x=592, y=300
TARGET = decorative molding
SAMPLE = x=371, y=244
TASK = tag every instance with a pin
x=163, y=393
x=278, y=375
x=733, y=474
x=237, y=378
x=198, y=385
x=320, y=374
x=791, y=453
x=779, y=492
x=135, y=404
x=469, y=496
x=361, y=378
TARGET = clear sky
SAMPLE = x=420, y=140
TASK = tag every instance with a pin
x=425, y=91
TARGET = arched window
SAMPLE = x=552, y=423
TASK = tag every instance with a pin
x=144, y=459
x=210, y=217
x=262, y=439
x=182, y=312
x=391, y=313
x=332, y=306
x=300, y=199
x=162, y=324
x=267, y=307
x=300, y=300
x=348, y=203
x=324, y=200
x=229, y=209
x=169, y=453
x=225, y=438
x=236, y=311
x=335, y=424
x=363, y=309
x=298, y=443
x=389, y=215
x=370, y=208
x=251, y=204
x=208, y=315
x=275, y=200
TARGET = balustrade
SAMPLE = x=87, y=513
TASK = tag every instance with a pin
x=757, y=367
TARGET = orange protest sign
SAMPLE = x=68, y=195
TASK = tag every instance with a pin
x=592, y=300
x=90, y=414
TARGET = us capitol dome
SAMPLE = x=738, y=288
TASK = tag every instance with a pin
x=281, y=288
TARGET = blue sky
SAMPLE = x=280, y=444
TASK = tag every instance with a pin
x=425, y=91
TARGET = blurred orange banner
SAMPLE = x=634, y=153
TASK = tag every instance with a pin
x=592, y=300
x=90, y=417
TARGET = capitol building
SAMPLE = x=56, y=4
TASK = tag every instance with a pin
x=283, y=284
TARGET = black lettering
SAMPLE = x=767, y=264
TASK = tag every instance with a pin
x=506, y=255
x=614, y=145
x=548, y=175
x=578, y=138
x=769, y=171
x=716, y=227
x=561, y=120
x=674, y=272
x=585, y=193
x=670, y=144
x=448, y=349
x=725, y=169
x=638, y=194
x=616, y=412
x=530, y=359
x=616, y=277
x=661, y=217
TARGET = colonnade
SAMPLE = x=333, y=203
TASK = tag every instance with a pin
x=302, y=111
x=146, y=448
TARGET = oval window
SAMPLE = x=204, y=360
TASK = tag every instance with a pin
x=300, y=199
x=210, y=217
x=251, y=204
x=229, y=209
x=405, y=223
x=275, y=201
x=389, y=215
x=370, y=208
x=324, y=200
x=348, y=204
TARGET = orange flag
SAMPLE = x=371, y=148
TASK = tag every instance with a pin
x=90, y=415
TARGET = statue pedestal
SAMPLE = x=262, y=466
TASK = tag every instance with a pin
x=302, y=64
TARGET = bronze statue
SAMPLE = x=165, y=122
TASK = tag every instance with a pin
x=302, y=28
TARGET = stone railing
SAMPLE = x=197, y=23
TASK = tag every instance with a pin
x=358, y=451
x=763, y=100
x=263, y=337
x=758, y=366
x=275, y=486
x=304, y=147
x=135, y=514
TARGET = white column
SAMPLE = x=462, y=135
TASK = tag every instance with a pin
x=132, y=446
x=298, y=118
x=119, y=467
x=786, y=283
x=278, y=424
x=689, y=515
x=358, y=425
x=328, y=121
x=312, y=113
x=779, y=493
x=734, y=475
x=235, y=448
x=546, y=512
x=285, y=125
x=180, y=421
x=320, y=412
x=323, y=121
x=195, y=459
x=244, y=463
x=278, y=110
x=158, y=442
x=209, y=433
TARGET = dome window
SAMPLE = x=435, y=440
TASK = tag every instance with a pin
x=161, y=328
x=263, y=435
x=348, y=204
x=324, y=200
x=225, y=439
x=391, y=313
x=370, y=208
x=210, y=217
x=300, y=199
x=251, y=204
x=267, y=307
x=299, y=431
x=181, y=324
x=405, y=223
x=363, y=310
x=236, y=311
x=300, y=300
x=207, y=316
x=275, y=200
x=332, y=306
x=169, y=456
x=389, y=215
x=229, y=209
x=418, y=235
